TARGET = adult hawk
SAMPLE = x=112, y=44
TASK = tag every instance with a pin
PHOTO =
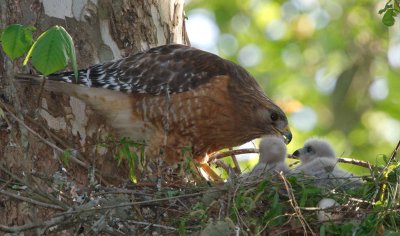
x=174, y=97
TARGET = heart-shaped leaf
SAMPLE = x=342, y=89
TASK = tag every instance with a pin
x=16, y=40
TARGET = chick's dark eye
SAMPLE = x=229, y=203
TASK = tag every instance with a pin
x=274, y=117
x=309, y=149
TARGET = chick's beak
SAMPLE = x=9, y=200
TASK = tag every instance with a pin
x=296, y=153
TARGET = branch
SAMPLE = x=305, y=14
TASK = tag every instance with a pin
x=153, y=225
x=29, y=200
x=126, y=204
x=40, y=137
x=361, y=163
x=45, y=224
x=356, y=162
x=394, y=154
x=219, y=155
x=295, y=206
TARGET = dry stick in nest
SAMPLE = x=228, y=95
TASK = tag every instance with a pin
x=128, y=204
x=394, y=154
x=63, y=217
x=220, y=155
x=239, y=218
x=74, y=159
x=30, y=200
x=45, y=224
x=237, y=167
x=37, y=191
x=379, y=196
x=295, y=206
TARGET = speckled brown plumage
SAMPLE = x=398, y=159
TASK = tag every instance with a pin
x=175, y=97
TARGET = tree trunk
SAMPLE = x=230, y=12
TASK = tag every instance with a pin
x=38, y=126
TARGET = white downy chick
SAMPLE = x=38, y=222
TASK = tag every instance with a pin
x=318, y=159
x=272, y=158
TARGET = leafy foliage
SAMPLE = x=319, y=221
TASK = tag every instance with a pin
x=50, y=53
x=390, y=11
x=133, y=153
x=16, y=40
x=52, y=50
x=331, y=65
x=66, y=157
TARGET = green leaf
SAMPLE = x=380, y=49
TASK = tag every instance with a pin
x=322, y=230
x=387, y=6
x=66, y=157
x=16, y=40
x=69, y=43
x=388, y=17
x=181, y=229
x=52, y=50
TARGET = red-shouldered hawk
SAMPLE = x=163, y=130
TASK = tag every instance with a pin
x=175, y=96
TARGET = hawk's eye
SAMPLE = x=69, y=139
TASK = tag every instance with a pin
x=274, y=116
x=309, y=149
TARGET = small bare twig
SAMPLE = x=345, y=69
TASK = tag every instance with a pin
x=223, y=165
x=74, y=159
x=395, y=151
x=45, y=224
x=356, y=162
x=361, y=163
x=236, y=209
x=295, y=206
x=153, y=225
x=237, y=167
x=126, y=204
x=30, y=200
x=394, y=154
x=219, y=155
x=30, y=187
x=28, y=76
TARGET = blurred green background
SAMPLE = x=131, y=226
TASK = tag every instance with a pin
x=333, y=66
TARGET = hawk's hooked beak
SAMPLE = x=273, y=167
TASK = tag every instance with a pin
x=287, y=135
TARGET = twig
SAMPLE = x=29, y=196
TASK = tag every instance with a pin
x=153, y=225
x=45, y=224
x=361, y=163
x=394, y=154
x=33, y=189
x=295, y=206
x=395, y=151
x=115, y=190
x=237, y=211
x=364, y=164
x=29, y=200
x=237, y=167
x=219, y=155
x=40, y=137
x=48, y=132
x=223, y=165
x=28, y=76
x=134, y=203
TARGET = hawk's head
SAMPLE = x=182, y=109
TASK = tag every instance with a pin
x=272, y=120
